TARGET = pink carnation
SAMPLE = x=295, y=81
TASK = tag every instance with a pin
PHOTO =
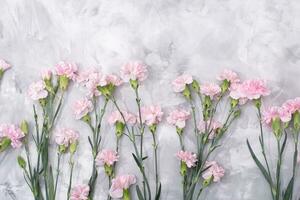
x=292, y=105
x=181, y=81
x=37, y=90
x=210, y=89
x=66, y=69
x=82, y=107
x=12, y=132
x=274, y=112
x=91, y=79
x=65, y=136
x=121, y=183
x=80, y=192
x=250, y=89
x=4, y=65
x=188, y=158
x=178, y=117
x=151, y=114
x=134, y=71
x=229, y=75
x=113, y=79
x=46, y=74
x=214, y=170
x=117, y=117
x=107, y=157
x=213, y=126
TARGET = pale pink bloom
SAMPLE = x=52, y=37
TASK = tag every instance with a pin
x=275, y=112
x=66, y=136
x=4, y=65
x=82, y=107
x=134, y=71
x=210, y=89
x=151, y=114
x=80, y=192
x=113, y=79
x=91, y=79
x=37, y=90
x=250, y=89
x=214, y=170
x=12, y=132
x=46, y=74
x=229, y=75
x=107, y=157
x=188, y=158
x=178, y=117
x=66, y=69
x=117, y=117
x=181, y=81
x=292, y=105
x=211, y=126
x=121, y=183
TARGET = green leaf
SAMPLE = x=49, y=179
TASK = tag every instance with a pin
x=139, y=193
x=137, y=161
x=157, y=197
x=51, y=184
x=288, y=193
x=144, y=158
x=283, y=144
x=259, y=165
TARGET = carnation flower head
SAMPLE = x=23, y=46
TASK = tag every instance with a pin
x=250, y=89
x=151, y=115
x=276, y=112
x=116, y=116
x=4, y=65
x=181, y=81
x=80, y=192
x=82, y=107
x=210, y=89
x=134, y=71
x=107, y=157
x=178, y=117
x=46, y=74
x=12, y=132
x=121, y=183
x=214, y=170
x=37, y=90
x=211, y=125
x=66, y=136
x=188, y=158
x=66, y=69
x=229, y=75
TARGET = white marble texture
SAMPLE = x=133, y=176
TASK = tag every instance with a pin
x=257, y=38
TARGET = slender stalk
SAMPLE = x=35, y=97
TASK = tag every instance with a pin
x=57, y=174
x=278, y=170
x=296, y=136
x=156, y=163
x=109, y=185
x=71, y=163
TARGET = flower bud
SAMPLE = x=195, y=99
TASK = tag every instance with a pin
x=105, y=91
x=4, y=144
x=126, y=194
x=208, y=181
x=21, y=162
x=195, y=86
x=63, y=82
x=86, y=118
x=296, y=120
x=73, y=147
x=276, y=127
x=179, y=131
x=24, y=127
x=62, y=149
x=187, y=93
x=134, y=84
x=257, y=103
x=152, y=128
x=183, y=168
x=119, y=128
x=108, y=170
x=225, y=85
x=233, y=102
x=43, y=102
x=48, y=86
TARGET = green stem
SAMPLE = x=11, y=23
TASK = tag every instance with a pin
x=156, y=163
x=57, y=174
x=278, y=170
x=71, y=163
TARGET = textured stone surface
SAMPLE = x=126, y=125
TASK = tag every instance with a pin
x=257, y=38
